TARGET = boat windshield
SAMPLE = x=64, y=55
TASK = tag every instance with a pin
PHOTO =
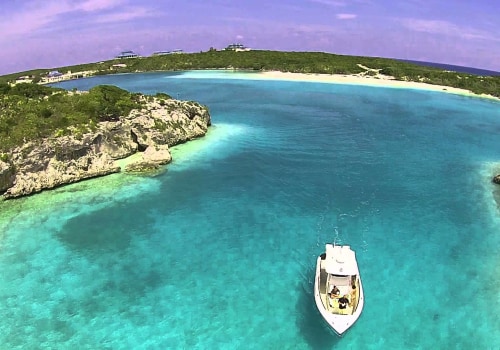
x=343, y=283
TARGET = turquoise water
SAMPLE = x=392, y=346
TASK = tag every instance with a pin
x=219, y=251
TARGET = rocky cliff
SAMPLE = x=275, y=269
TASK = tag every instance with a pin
x=52, y=162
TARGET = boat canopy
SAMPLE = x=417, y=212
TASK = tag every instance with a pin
x=340, y=260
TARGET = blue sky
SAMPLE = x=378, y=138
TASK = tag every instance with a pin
x=52, y=33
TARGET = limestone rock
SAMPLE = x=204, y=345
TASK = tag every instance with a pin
x=7, y=175
x=496, y=179
x=157, y=154
x=58, y=173
x=52, y=162
x=152, y=158
x=143, y=168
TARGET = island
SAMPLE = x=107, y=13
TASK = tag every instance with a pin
x=51, y=137
x=269, y=61
x=60, y=141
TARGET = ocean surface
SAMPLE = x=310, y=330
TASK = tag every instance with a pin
x=219, y=251
x=455, y=68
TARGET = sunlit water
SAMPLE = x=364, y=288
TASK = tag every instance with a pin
x=219, y=251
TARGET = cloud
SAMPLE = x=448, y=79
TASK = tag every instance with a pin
x=334, y=3
x=342, y=3
x=97, y=5
x=37, y=16
x=446, y=28
x=430, y=26
x=30, y=18
x=124, y=15
x=346, y=16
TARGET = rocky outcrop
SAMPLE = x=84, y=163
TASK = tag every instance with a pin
x=49, y=163
x=7, y=175
x=496, y=179
x=152, y=158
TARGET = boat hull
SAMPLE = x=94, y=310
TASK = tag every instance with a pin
x=338, y=320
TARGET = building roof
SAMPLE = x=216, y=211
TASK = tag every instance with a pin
x=236, y=47
x=54, y=73
x=127, y=54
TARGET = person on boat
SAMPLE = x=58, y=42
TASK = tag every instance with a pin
x=335, y=292
x=343, y=302
x=353, y=294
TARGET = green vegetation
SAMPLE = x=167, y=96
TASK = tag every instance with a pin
x=160, y=125
x=31, y=111
x=163, y=96
x=297, y=62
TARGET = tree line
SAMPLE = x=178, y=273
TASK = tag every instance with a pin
x=296, y=62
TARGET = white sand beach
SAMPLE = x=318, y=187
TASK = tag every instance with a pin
x=368, y=80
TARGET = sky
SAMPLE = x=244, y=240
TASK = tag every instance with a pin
x=54, y=33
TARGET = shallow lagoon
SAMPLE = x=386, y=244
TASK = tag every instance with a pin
x=219, y=251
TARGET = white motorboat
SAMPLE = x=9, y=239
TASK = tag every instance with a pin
x=337, y=287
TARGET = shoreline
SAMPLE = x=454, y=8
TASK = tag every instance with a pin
x=378, y=80
x=369, y=80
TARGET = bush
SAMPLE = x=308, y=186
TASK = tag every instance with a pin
x=4, y=88
x=108, y=102
x=163, y=95
x=4, y=157
x=30, y=111
x=31, y=90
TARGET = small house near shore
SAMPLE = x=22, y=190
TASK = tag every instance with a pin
x=54, y=73
x=55, y=76
x=127, y=54
x=237, y=47
x=25, y=79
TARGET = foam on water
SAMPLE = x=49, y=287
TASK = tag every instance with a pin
x=219, y=251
